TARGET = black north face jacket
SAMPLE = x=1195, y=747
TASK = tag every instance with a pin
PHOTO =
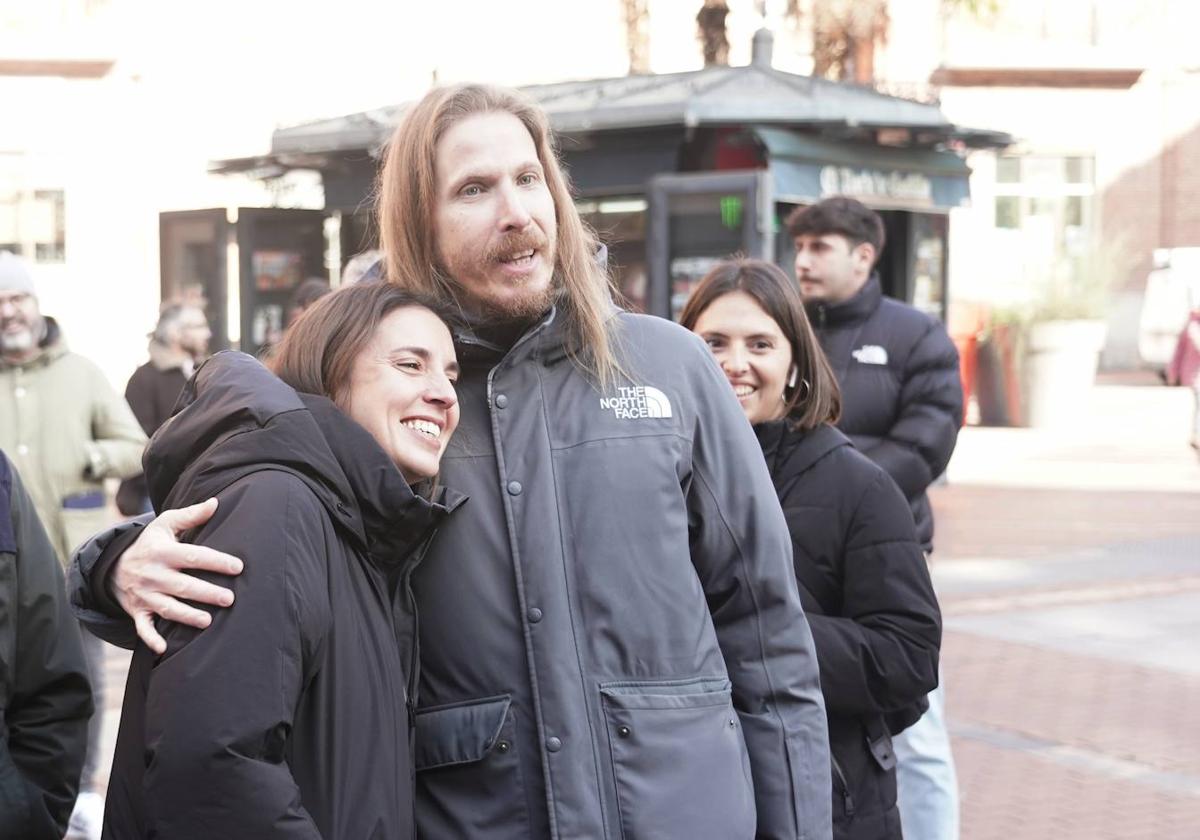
x=45, y=698
x=902, y=399
x=287, y=716
x=874, y=617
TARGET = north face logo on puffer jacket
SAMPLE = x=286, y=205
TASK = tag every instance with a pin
x=637, y=403
x=871, y=354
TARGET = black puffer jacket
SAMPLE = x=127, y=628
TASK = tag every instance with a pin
x=902, y=400
x=287, y=716
x=875, y=620
x=45, y=699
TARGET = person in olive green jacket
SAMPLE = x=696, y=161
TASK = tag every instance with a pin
x=66, y=430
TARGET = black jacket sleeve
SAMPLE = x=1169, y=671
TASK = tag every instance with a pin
x=918, y=446
x=881, y=652
x=87, y=583
x=742, y=555
x=220, y=701
x=49, y=700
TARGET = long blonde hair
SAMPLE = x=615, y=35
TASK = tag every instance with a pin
x=407, y=195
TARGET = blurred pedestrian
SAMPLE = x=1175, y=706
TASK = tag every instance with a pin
x=288, y=716
x=862, y=575
x=305, y=295
x=1184, y=368
x=45, y=701
x=611, y=637
x=67, y=431
x=179, y=342
x=902, y=406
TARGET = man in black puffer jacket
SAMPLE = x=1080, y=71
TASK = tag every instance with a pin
x=898, y=369
x=902, y=406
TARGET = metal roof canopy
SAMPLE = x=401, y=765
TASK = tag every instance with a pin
x=755, y=94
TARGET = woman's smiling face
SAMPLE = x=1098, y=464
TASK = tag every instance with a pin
x=402, y=390
x=752, y=351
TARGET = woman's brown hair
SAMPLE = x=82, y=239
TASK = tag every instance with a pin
x=318, y=352
x=816, y=397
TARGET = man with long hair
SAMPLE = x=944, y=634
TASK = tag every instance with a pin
x=611, y=641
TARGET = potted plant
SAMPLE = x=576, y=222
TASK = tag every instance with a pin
x=1062, y=333
x=1038, y=359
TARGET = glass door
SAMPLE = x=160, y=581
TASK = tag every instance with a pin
x=695, y=222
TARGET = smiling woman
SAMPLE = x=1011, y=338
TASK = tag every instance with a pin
x=289, y=712
x=386, y=358
x=860, y=571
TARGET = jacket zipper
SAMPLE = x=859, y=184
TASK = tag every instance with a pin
x=847, y=801
x=414, y=674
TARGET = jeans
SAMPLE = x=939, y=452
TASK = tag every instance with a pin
x=93, y=654
x=927, y=786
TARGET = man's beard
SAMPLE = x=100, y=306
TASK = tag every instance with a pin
x=522, y=307
x=23, y=341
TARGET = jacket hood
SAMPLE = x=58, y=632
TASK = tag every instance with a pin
x=235, y=418
x=858, y=308
x=791, y=452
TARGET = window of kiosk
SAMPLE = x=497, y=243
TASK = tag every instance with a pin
x=620, y=223
x=704, y=228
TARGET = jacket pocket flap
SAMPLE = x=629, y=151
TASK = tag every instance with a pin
x=668, y=694
x=458, y=734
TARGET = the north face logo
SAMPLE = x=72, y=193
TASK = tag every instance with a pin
x=871, y=354
x=637, y=403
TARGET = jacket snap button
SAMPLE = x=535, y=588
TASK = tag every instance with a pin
x=624, y=731
x=501, y=401
x=553, y=744
x=502, y=747
x=535, y=615
x=732, y=723
x=514, y=488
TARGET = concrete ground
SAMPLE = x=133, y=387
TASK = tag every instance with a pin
x=1068, y=564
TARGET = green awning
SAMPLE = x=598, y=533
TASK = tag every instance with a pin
x=806, y=169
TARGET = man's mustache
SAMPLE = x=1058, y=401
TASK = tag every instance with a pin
x=515, y=243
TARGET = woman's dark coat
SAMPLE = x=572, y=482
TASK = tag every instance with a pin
x=874, y=617
x=287, y=716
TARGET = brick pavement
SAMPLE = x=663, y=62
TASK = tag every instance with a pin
x=1069, y=572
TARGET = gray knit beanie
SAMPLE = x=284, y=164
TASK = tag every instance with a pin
x=14, y=276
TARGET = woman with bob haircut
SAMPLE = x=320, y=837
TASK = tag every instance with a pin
x=289, y=716
x=861, y=573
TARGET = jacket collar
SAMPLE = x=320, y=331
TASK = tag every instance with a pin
x=790, y=452
x=382, y=508
x=855, y=310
